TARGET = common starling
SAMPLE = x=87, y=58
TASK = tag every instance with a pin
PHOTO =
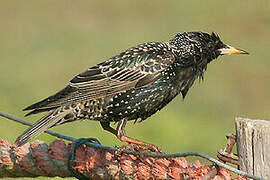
x=132, y=85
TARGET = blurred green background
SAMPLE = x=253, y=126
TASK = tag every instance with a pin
x=43, y=44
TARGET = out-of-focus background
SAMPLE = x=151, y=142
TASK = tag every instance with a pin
x=43, y=44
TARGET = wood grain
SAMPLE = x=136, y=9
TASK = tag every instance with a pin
x=253, y=146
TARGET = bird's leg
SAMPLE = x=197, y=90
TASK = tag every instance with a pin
x=121, y=135
x=106, y=126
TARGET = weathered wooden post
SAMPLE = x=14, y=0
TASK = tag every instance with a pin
x=253, y=146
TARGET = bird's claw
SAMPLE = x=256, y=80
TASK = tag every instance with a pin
x=154, y=148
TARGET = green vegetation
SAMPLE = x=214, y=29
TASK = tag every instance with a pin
x=45, y=43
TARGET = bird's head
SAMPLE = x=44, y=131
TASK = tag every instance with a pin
x=202, y=46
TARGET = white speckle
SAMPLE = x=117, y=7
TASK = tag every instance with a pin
x=120, y=114
x=128, y=96
x=117, y=104
x=115, y=96
x=122, y=101
x=126, y=112
x=126, y=102
x=110, y=112
x=129, y=107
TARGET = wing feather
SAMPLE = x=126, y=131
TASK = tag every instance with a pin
x=133, y=68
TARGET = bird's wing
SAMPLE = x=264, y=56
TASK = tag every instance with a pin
x=137, y=67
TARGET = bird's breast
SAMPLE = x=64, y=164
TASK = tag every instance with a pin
x=143, y=102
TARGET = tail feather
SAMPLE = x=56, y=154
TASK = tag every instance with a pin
x=42, y=125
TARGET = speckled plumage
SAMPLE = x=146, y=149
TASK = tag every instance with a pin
x=132, y=85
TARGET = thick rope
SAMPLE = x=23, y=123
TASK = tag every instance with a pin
x=39, y=159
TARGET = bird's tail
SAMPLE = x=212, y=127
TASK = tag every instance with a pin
x=42, y=125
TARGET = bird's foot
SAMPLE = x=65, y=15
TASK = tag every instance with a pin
x=149, y=146
x=153, y=148
x=132, y=147
x=128, y=147
x=142, y=151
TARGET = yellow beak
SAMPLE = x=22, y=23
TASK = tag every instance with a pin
x=231, y=50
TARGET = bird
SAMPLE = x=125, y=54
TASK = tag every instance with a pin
x=132, y=85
